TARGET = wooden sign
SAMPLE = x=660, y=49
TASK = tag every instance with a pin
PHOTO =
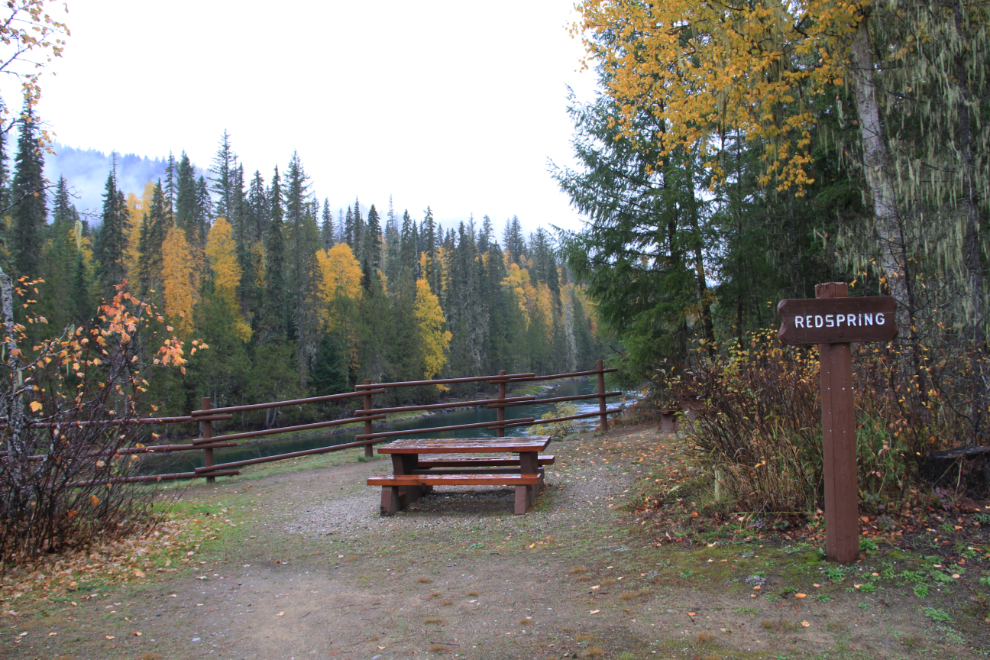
x=837, y=320
x=832, y=320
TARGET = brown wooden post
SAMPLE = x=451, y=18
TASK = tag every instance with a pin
x=369, y=450
x=500, y=411
x=603, y=424
x=207, y=434
x=838, y=443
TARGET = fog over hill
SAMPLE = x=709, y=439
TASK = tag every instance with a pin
x=86, y=171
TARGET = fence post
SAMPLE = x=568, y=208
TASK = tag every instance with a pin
x=603, y=425
x=369, y=450
x=500, y=411
x=206, y=435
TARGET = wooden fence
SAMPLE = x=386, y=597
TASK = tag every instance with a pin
x=368, y=415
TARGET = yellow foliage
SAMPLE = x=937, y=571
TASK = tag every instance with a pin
x=433, y=339
x=179, y=278
x=517, y=281
x=221, y=253
x=703, y=68
x=136, y=208
x=341, y=273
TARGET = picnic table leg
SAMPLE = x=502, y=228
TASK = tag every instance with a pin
x=529, y=463
x=390, y=500
x=405, y=464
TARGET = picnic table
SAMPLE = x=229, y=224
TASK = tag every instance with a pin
x=413, y=475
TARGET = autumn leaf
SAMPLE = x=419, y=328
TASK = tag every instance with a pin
x=94, y=500
x=36, y=406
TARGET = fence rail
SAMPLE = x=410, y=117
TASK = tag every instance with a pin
x=366, y=416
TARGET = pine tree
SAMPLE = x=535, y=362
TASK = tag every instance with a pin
x=329, y=372
x=358, y=232
x=221, y=176
x=59, y=259
x=171, y=185
x=327, y=229
x=373, y=241
x=186, y=203
x=155, y=228
x=259, y=209
x=272, y=327
x=111, y=243
x=29, y=213
x=348, y=228
x=204, y=212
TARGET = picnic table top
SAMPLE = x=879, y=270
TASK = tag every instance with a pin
x=465, y=445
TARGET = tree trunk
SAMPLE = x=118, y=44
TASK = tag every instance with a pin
x=971, y=240
x=875, y=165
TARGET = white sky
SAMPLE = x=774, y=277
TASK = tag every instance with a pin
x=453, y=104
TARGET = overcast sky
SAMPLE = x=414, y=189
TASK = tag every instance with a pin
x=453, y=104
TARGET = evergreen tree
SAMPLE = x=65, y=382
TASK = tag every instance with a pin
x=512, y=237
x=272, y=327
x=259, y=209
x=327, y=235
x=358, y=232
x=373, y=241
x=59, y=260
x=29, y=213
x=171, y=185
x=221, y=176
x=329, y=372
x=186, y=201
x=348, y=228
x=111, y=244
x=154, y=230
x=204, y=213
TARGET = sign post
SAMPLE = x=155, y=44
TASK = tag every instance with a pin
x=833, y=321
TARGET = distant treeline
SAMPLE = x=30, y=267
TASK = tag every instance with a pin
x=292, y=299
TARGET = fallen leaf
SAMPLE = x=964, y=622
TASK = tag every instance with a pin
x=805, y=624
x=597, y=586
x=857, y=586
x=109, y=637
x=594, y=611
x=800, y=595
x=52, y=634
x=956, y=576
x=816, y=585
x=691, y=614
x=94, y=500
x=137, y=634
x=280, y=614
x=138, y=572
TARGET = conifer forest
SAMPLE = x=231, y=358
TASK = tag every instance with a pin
x=291, y=297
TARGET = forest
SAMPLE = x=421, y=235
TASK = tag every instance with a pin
x=290, y=298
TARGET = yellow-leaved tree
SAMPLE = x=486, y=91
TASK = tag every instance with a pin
x=221, y=255
x=341, y=276
x=136, y=208
x=517, y=281
x=340, y=291
x=179, y=278
x=703, y=68
x=433, y=338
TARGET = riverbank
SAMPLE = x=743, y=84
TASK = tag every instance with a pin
x=292, y=560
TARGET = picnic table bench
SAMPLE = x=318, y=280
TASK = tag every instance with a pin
x=414, y=476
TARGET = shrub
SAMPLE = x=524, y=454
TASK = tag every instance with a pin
x=760, y=424
x=68, y=407
x=559, y=429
